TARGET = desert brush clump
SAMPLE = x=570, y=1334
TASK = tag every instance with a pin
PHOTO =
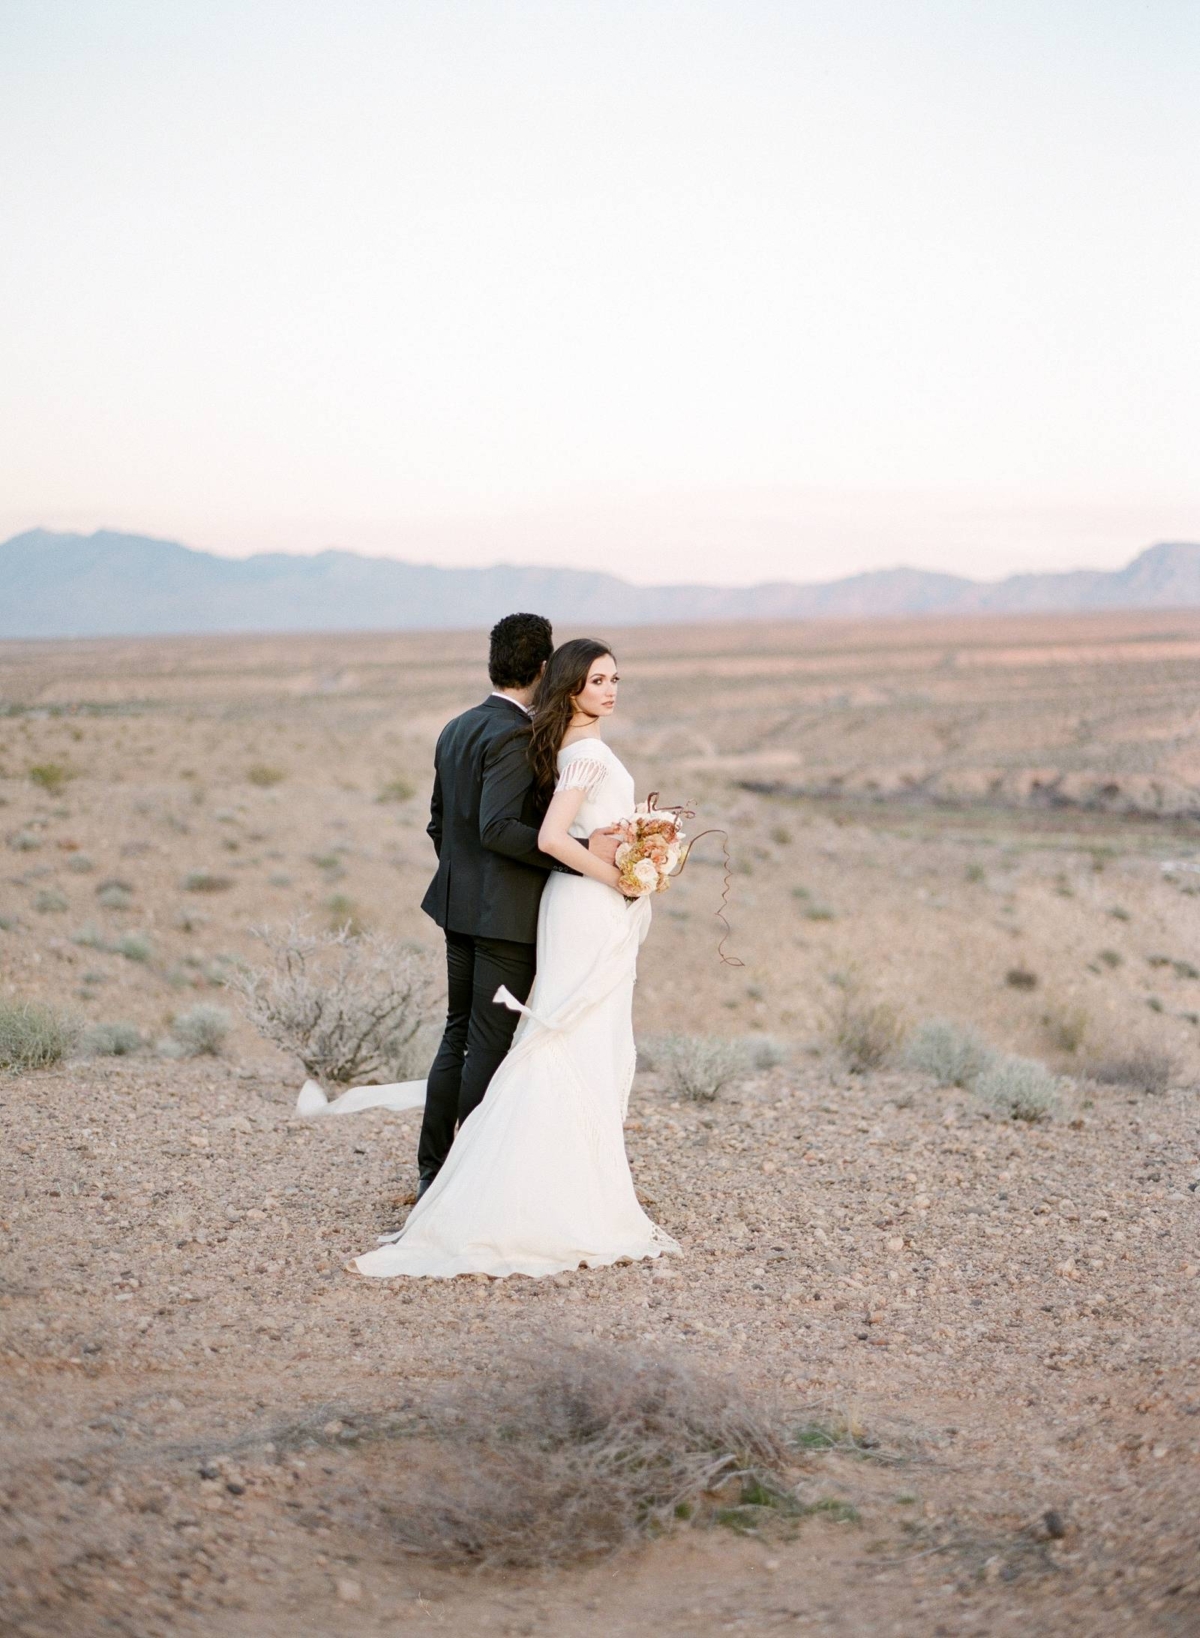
x=950, y=1054
x=206, y=881
x=699, y=1067
x=201, y=1031
x=51, y=776
x=133, y=946
x=34, y=1036
x=1019, y=1089
x=1141, y=1067
x=114, y=896
x=1021, y=978
x=111, y=1040
x=767, y=1052
x=569, y=1453
x=264, y=775
x=50, y=902
x=343, y=912
x=865, y=1031
x=349, y=1006
x=397, y=790
x=1066, y=1026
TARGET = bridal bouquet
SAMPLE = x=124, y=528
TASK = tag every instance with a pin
x=652, y=849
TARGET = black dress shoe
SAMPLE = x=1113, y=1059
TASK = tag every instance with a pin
x=424, y=1184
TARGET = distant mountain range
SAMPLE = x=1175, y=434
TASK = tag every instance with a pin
x=109, y=585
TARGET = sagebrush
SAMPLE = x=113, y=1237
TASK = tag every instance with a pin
x=201, y=1031
x=34, y=1036
x=350, y=1006
x=1019, y=1088
x=950, y=1054
x=111, y=1040
x=699, y=1066
x=1141, y=1068
x=866, y=1032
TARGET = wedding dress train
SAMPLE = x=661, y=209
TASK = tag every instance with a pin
x=537, y=1180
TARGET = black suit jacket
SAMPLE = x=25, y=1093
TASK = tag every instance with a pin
x=484, y=821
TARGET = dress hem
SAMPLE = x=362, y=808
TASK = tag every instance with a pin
x=532, y=1267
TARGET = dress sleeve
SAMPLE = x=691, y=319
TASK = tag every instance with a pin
x=582, y=773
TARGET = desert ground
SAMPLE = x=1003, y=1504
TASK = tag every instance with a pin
x=208, y=1427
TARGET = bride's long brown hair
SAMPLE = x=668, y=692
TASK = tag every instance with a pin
x=565, y=675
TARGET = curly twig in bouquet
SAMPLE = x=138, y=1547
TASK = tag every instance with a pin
x=654, y=849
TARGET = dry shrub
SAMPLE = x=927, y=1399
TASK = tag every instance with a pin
x=767, y=1052
x=200, y=1032
x=1019, y=1088
x=33, y=1036
x=349, y=1006
x=134, y=947
x=111, y=1040
x=1020, y=978
x=51, y=776
x=263, y=775
x=1142, y=1068
x=206, y=881
x=578, y=1451
x=700, y=1066
x=397, y=790
x=1066, y=1027
x=114, y=895
x=867, y=1032
x=951, y=1054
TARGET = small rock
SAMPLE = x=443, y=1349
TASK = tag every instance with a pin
x=350, y=1592
x=1056, y=1525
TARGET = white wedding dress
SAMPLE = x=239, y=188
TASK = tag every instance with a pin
x=537, y=1180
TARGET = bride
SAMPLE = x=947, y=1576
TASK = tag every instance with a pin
x=537, y=1180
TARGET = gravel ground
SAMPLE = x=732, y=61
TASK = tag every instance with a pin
x=1009, y=1310
x=205, y=1421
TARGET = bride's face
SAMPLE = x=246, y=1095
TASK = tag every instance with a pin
x=598, y=696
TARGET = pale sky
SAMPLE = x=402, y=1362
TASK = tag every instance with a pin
x=722, y=291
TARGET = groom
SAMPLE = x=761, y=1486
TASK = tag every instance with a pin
x=484, y=821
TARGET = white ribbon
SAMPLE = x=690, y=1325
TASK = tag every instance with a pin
x=400, y=1095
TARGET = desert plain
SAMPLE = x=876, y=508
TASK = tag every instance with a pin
x=992, y=1323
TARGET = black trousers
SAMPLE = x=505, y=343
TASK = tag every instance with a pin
x=478, y=1033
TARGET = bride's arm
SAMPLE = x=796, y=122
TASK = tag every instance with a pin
x=555, y=839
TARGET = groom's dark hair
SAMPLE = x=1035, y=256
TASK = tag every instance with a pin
x=519, y=647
